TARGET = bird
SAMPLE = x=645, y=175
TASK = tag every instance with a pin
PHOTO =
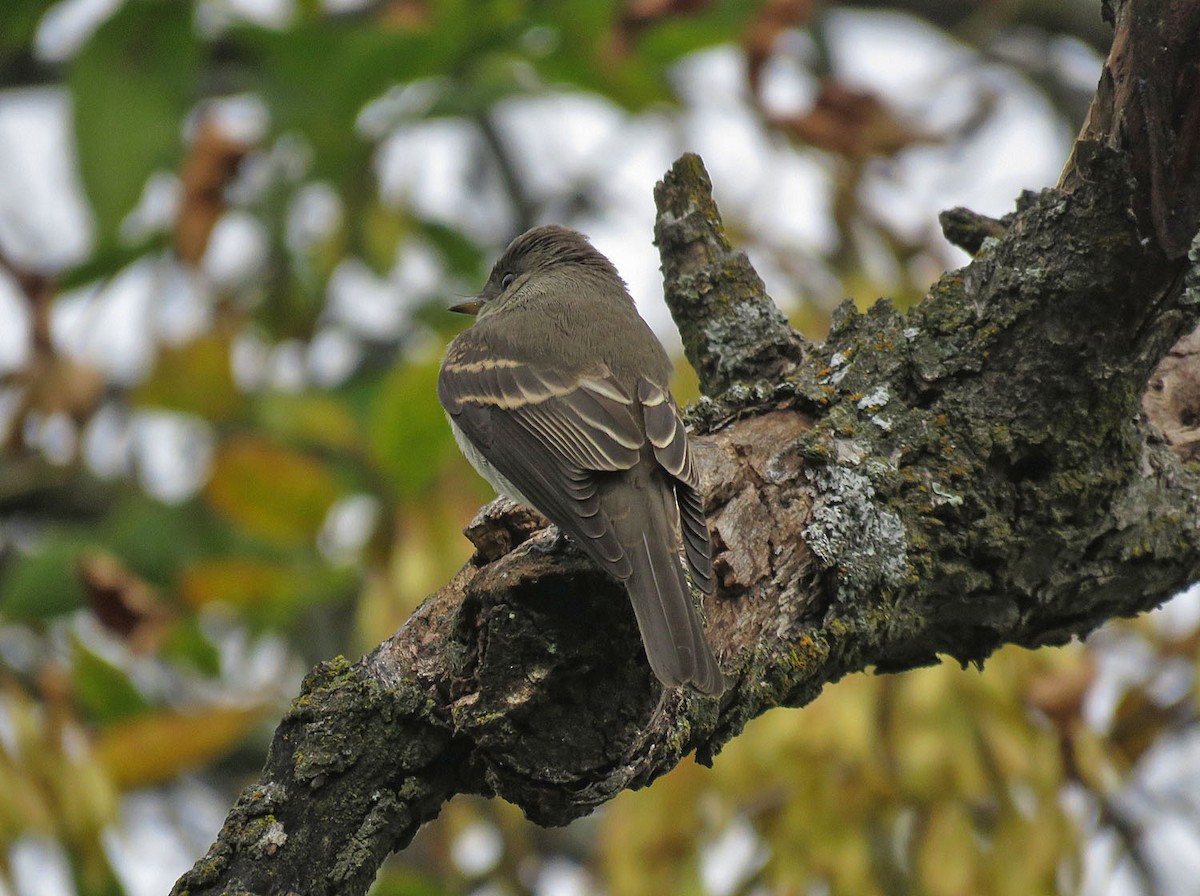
x=558, y=395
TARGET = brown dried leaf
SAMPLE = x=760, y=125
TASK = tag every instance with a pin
x=60, y=385
x=210, y=165
x=640, y=14
x=1138, y=724
x=853, y=123
x=405, y=15
x=758, y=40
x=123, y=603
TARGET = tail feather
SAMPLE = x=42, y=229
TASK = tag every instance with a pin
x=670, y=626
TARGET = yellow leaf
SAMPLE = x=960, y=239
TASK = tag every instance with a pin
x=949, y=852
x=311, y=419
x=270, y=490
x=196, y=378
x=151, y=749
x=238, y=581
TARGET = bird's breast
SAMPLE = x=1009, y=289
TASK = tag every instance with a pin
x=477, y=460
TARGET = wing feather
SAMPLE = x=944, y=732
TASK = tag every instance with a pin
x=554, y=437
x=550, y=435
x=665, y=430
x=697, y=546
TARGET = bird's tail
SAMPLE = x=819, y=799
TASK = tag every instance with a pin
x=670, y=626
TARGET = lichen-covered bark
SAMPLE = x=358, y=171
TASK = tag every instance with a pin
x=1147, y=107
x=357, y=765
x=973, y=472
x=731, y=332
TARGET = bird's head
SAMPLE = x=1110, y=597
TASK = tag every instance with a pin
x=537, y=252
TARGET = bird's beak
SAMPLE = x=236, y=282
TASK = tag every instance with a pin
x=470, y=307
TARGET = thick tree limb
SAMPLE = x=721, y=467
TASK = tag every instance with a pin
x=973, y=472
x=1147, y=106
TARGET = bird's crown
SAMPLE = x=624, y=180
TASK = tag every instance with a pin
x=551, y=246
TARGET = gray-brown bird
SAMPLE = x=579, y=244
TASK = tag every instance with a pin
x=558, y=395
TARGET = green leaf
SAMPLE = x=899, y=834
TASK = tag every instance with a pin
x=584, y=49
x=379, y=232
x=151, y=538
x=242, y=582
x=109, y=259
x=409, y=435
x=317, y=76
x=461, y=253
x=677, y=36
x=132, y=85
x=21, y=20
x=408, y=882
x=155, y=539
x=188, y=645
x=104, y=690
x=43, y=584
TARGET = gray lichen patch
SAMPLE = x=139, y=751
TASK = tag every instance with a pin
x=746, y=332
x=850, y=531
x=1191, y=282
x=272, y=838
x=875, y=399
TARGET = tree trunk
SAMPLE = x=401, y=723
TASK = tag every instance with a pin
x=974, y=472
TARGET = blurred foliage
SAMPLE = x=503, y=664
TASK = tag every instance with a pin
x=150, y=629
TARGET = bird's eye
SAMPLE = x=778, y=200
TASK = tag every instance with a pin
x=507, y=279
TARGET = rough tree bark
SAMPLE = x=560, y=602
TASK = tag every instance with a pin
x=974, y=472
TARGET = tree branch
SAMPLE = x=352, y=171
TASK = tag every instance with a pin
x=732, y=332
x=973, y=472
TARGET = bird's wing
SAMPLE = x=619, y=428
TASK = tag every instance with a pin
x=547, y=432
x=667, y=435
x=555, y=437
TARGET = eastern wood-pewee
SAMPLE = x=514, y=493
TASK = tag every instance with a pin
x=558, y=395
